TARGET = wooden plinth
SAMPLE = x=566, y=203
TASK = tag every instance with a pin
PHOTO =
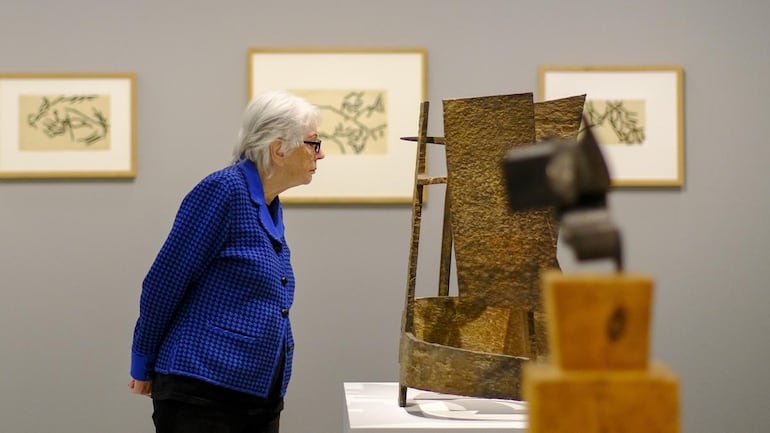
x=599, y=379
x=598, y=321
x=601, y=402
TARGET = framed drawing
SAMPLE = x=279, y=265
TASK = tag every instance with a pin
x=67, y=126
x=369, y=98
x=637, y=116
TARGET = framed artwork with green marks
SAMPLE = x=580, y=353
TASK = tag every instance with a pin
x=636, y=114
x=67, y=125
x=368, y=98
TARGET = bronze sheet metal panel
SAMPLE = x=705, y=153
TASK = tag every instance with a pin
x=471, y=326
x=499, y=254
x=449, y=370
x=559, y=118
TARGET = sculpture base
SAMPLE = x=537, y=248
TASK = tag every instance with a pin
x=598, y=321
x=644, y=401
x=370, y=407
x=458, y=371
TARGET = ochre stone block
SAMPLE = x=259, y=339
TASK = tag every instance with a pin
x=601, y=402
x=598, y=321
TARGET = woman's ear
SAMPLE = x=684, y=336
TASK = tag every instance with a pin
x=276, y=154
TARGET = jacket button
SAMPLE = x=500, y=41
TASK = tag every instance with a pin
x=284, y=280
x=285, y=312
x=277, y=248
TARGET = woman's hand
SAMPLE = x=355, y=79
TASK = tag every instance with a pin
x=141, y=387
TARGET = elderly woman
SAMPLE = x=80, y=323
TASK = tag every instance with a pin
x=213, y=344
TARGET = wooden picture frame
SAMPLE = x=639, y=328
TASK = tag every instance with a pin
x=637, y=116
x=369, y=98
x=74, y=125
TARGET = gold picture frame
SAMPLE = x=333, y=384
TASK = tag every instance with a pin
x=637, y=115
x=369, y=98
x=68, y=125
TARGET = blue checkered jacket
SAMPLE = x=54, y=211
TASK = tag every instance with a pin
x=215, y=303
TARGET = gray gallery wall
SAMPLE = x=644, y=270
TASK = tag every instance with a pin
x=73, y=253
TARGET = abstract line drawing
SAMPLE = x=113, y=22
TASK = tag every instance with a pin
x=636, y=113
x=368, y=98
x=353, y=121
x=64, y=122
x=617, y=121
x=67, y=125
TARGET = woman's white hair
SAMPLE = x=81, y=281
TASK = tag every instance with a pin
x=274, y=115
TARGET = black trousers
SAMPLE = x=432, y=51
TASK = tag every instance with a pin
x=172, y=416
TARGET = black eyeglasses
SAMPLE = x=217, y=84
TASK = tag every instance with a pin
x=316, y=145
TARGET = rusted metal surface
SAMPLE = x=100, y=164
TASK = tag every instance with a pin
x=416, y=216
x=558, y=118
x=479, y=374
x=445, y=263
x=498, y=255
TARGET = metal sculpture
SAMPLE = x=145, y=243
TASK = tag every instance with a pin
x=476, y=343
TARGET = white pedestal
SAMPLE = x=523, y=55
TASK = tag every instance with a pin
x=372, y=407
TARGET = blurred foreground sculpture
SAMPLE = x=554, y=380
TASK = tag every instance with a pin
x=570, y=177
x=598, y=378
x=476, y=343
